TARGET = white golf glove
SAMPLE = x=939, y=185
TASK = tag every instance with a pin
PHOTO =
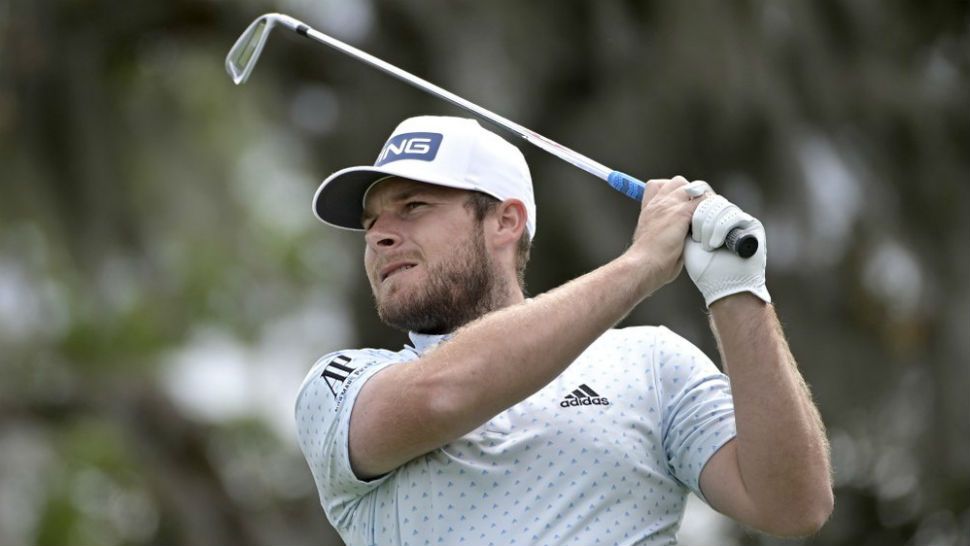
x=715, y=270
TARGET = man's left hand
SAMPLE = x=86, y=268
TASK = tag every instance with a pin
x=716, y=271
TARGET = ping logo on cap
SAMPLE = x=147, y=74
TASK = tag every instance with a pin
x=420, y=146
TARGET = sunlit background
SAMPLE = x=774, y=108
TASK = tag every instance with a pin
x=164, y=286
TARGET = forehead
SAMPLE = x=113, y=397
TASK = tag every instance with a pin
x=398, y=189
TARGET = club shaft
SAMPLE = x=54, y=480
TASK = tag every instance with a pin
x=566, y=154
x=739, y=242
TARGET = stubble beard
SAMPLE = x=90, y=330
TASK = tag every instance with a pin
x=455, y=292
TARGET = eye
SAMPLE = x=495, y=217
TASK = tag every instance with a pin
x=412, y=205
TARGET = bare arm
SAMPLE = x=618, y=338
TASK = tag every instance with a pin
x=504, y=357
x=775, y=475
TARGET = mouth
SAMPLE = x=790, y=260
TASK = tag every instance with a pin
x=395, y=268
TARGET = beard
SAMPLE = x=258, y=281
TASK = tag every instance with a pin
x=457, y=290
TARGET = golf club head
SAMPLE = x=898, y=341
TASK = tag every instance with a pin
x=245, y=52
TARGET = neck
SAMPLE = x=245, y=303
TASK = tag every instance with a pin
x=505, y=293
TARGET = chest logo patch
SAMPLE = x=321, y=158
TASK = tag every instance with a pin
x=584, y=396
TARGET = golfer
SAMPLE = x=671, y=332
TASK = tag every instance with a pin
x=514, y=420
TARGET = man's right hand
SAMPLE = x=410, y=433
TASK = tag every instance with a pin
x=658, y=241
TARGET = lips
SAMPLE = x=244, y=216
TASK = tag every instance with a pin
x=394, y=268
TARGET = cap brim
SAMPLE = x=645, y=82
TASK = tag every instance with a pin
x=339, y=201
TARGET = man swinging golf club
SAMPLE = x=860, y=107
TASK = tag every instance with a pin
x=533, y=421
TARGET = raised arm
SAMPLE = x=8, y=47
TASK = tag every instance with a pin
x=775, y=475
x=507, y=355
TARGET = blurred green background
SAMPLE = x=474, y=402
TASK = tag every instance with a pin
x=164, y=286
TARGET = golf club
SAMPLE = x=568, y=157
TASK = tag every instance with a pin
x=245, y=52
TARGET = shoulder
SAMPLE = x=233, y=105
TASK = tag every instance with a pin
x=658, y=335
x=642, y=335
x=628, y=349
x=643, y=341
x=663, y=350
x=336, y=371
x=349, y=360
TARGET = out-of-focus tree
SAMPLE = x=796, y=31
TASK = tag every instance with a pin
x=163, y=285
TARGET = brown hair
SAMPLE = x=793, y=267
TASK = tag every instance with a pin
x=482, y=205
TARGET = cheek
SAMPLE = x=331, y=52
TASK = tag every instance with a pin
x=369, y=264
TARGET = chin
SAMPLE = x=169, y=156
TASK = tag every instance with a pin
x=394, y=297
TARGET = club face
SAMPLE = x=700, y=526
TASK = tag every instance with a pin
x=245, y=52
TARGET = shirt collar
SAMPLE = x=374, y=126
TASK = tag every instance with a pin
x=423, y=342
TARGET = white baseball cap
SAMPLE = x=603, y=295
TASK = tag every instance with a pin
x=445, y=151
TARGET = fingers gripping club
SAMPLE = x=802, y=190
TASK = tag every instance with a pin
x=739, y=241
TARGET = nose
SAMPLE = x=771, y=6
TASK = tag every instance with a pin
x=383, y=233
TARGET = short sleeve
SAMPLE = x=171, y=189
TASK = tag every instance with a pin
x=323, y=408
x=698, y=411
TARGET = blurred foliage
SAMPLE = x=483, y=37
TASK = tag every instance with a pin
x=164, y=286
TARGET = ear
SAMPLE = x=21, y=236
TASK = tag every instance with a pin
x=510, y=218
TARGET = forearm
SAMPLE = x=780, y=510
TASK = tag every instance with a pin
x=502, y=358
x=782, y=450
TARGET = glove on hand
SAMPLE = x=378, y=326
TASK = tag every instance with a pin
x=716, y=271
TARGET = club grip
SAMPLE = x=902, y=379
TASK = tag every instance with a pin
x=738, y=241
x=627, y=185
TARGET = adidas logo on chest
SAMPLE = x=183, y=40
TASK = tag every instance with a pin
x=584, y=396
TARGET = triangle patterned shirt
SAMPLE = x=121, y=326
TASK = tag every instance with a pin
x=604, y=454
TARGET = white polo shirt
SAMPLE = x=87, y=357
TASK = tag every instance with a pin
x=604, y=454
